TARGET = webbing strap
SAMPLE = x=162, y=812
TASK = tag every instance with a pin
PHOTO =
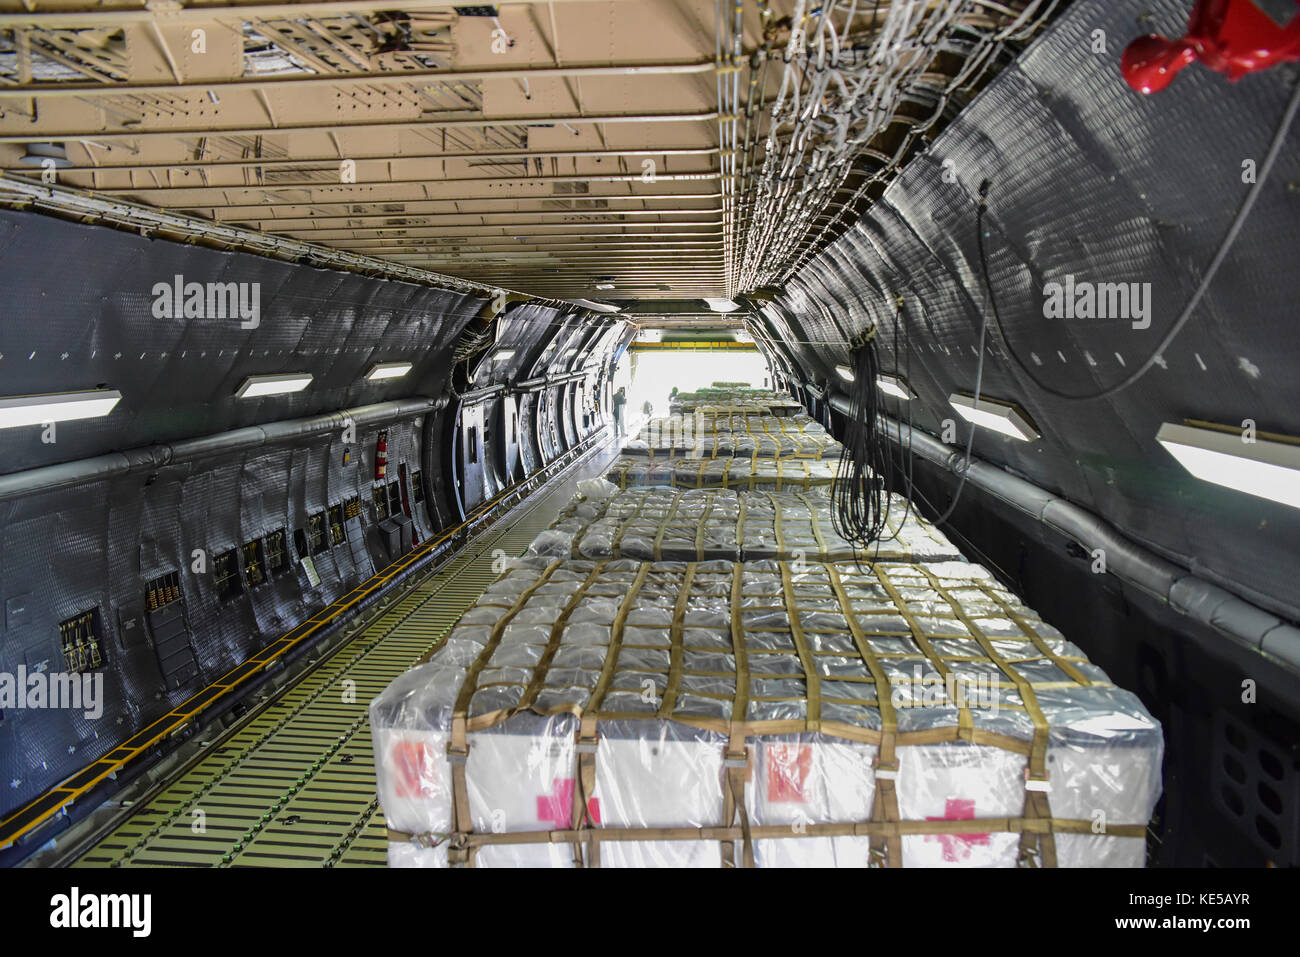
x=676, y=651
x=458, y=747
x=733, y=796
x=740, y=525
x=699, y=530
x=776, y=528
x=1036, y=803
x=663, y=527
x=616, y=546
x=979, y=825
x=543, y=666
x=813, y=513
x=588, y=739
x=812, y=680
x=884, y=805
x=1067, y=666
x=965, y=724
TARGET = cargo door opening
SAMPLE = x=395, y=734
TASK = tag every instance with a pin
x=653, y=367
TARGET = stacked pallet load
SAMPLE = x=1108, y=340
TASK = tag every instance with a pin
x=738, y=472
x=629, y=714
x=654, y=523
x=721, y=434
x=750, y=401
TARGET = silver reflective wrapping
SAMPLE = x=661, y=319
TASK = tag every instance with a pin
x=656, y=522
x=742, y=401
x=713, y=434
x=740, y=472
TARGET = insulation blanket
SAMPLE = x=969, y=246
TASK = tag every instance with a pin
x=912, y=715
x=738, y=472
x=654, y=522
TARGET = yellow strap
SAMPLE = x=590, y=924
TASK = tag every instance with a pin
x=812, y=680
x=676, y=650
x=657, y=551
x=813, y=513
x=965, y=724
x=543, y=665
x=591, y=712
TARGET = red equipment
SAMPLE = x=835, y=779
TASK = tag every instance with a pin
x=381, y=456
x=1233, y=37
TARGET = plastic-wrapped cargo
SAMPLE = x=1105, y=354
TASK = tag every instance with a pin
x=715, y=713
x=707, y=445
x=761, y=401
x=700, y=435
x=653, y=523
x=737, y=472
x=720, y=419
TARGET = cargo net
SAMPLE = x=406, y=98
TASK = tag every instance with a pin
x=714, y=434
x=738, y=472
x=723, y=714
x=654, y=523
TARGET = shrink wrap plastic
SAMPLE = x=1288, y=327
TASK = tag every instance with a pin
x=701, y=435
x=613, y=697
x=773, y=474
x=654, y=522
x=749, y=401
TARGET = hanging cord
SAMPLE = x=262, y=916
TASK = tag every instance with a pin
x=860, y=492
x=979, y=367
x=1275, y=147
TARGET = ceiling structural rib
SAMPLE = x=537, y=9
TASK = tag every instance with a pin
x=472, y=122
x=664, y=147
x=345, y=81
x=418, y=134
x=116, y=14
x=331, y=162
x=591, y=201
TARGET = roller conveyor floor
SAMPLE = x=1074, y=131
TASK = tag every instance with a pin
x=294, y=785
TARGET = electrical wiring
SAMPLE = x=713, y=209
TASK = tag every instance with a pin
x=861, y=490
x=979, y=367
x=1185, y=315
x=848, y=73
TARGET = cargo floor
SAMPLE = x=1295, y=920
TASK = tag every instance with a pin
x=294, y=786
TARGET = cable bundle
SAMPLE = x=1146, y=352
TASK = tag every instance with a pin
x=861, y=491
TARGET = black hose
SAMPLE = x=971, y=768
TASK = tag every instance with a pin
x=1229, y=237
x=860, y=492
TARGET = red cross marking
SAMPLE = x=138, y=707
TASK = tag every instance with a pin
x=957, y=809
x=556, y=808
